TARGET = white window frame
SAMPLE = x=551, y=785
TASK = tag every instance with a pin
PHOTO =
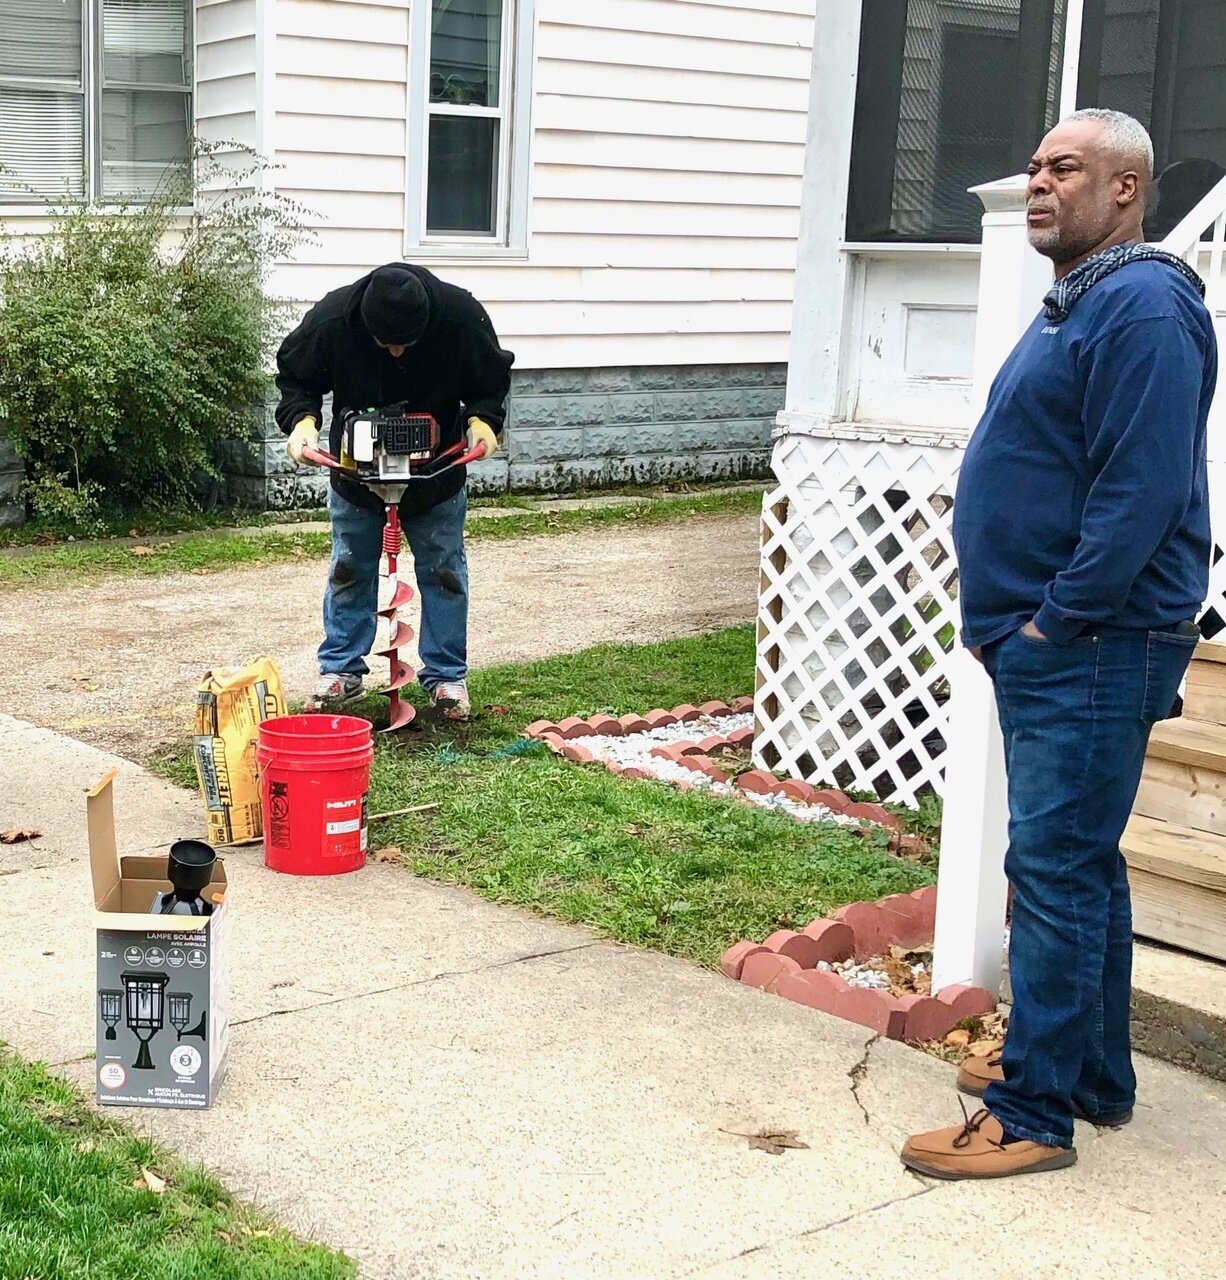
x=515, y=139
x=93, y=83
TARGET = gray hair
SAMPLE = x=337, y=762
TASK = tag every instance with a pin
x=1126, y=137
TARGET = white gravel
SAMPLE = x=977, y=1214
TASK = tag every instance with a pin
x=633, y=750
x=863, y=975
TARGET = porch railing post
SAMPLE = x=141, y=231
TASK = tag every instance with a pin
x=972, y=891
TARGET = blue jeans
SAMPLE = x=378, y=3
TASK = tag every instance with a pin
x=436, y=541
x=1076, y=720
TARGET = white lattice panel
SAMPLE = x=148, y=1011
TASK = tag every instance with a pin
x=857, y=613
x=858, y=610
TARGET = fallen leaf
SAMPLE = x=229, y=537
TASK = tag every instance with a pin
x=958, y=1038
x=18, y=835
x=910, y=846
x=498, y=709
x=225, y=1237
x=150, y=1181
x=142, y=550
x=777, y=1143
x=389, y=854
x=984, y=1048
x=633, y=829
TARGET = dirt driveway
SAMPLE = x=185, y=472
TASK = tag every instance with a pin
x=116, y=664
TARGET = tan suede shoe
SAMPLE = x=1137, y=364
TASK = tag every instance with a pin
x=975, y=1074
x=975, y=1149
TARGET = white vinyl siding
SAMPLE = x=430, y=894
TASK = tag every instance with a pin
x=666, y=159
x=338, y=122
x=227, y=88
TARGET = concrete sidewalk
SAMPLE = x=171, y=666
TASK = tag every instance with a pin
x=448, y=1089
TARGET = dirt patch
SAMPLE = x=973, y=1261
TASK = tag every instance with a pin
x=116, y=663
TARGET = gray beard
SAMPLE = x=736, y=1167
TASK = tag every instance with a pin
x=1045, y=240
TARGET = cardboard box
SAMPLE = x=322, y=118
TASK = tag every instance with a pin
x=162, y=1003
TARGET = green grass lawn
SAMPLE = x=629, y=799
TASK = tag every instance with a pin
x=69, y=1209
x=213, y=552
x=641, y=862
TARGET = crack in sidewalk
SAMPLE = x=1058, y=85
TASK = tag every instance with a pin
x=71, y=1062
x=859, y=1073
x=417, y=982
x=813, y=1231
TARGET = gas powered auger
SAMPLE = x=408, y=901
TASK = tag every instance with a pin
x=388, y=453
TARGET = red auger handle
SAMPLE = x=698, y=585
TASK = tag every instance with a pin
x=474, y=455
x=320, y=458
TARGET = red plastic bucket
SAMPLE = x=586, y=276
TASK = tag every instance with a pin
x=314, y=780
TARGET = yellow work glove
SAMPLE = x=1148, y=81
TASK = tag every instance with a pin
x=480, y=432
x=305, y=435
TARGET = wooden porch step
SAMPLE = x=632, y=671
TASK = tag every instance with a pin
x=1178, y=878
x=1192, y=742
x=1204, y=693
x=1189, y=795
x=1176, y=852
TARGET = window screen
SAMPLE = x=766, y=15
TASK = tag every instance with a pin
x=1163, y=61
x=950, y=94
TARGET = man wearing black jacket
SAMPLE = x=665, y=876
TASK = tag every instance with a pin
x=399, y=337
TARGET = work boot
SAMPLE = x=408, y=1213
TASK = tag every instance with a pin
x=451, y=700
x=335, y=688
x=975, y=1074
x=977, y=1149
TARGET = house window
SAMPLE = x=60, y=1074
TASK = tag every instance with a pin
x=1163, y=61
x=95, y=97
x=470, y=119
x=951, y=93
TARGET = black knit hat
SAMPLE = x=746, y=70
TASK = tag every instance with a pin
x=395, y=307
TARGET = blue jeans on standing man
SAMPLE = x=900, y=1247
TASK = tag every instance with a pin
x=1076, y=720
x=436, y=541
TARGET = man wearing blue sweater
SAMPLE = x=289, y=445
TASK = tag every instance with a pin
x=1082, y=531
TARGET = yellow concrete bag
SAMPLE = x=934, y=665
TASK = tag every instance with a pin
x=230, y=704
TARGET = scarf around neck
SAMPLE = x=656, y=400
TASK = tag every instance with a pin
x=1065, y=294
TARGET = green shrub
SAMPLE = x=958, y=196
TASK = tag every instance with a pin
x=133, y=339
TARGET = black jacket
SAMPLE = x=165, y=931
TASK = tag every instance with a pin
x=456, y=371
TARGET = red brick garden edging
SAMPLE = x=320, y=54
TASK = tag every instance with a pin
x=565, y=739
x=786, y=965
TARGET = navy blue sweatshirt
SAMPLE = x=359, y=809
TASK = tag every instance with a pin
x=1083, y=498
